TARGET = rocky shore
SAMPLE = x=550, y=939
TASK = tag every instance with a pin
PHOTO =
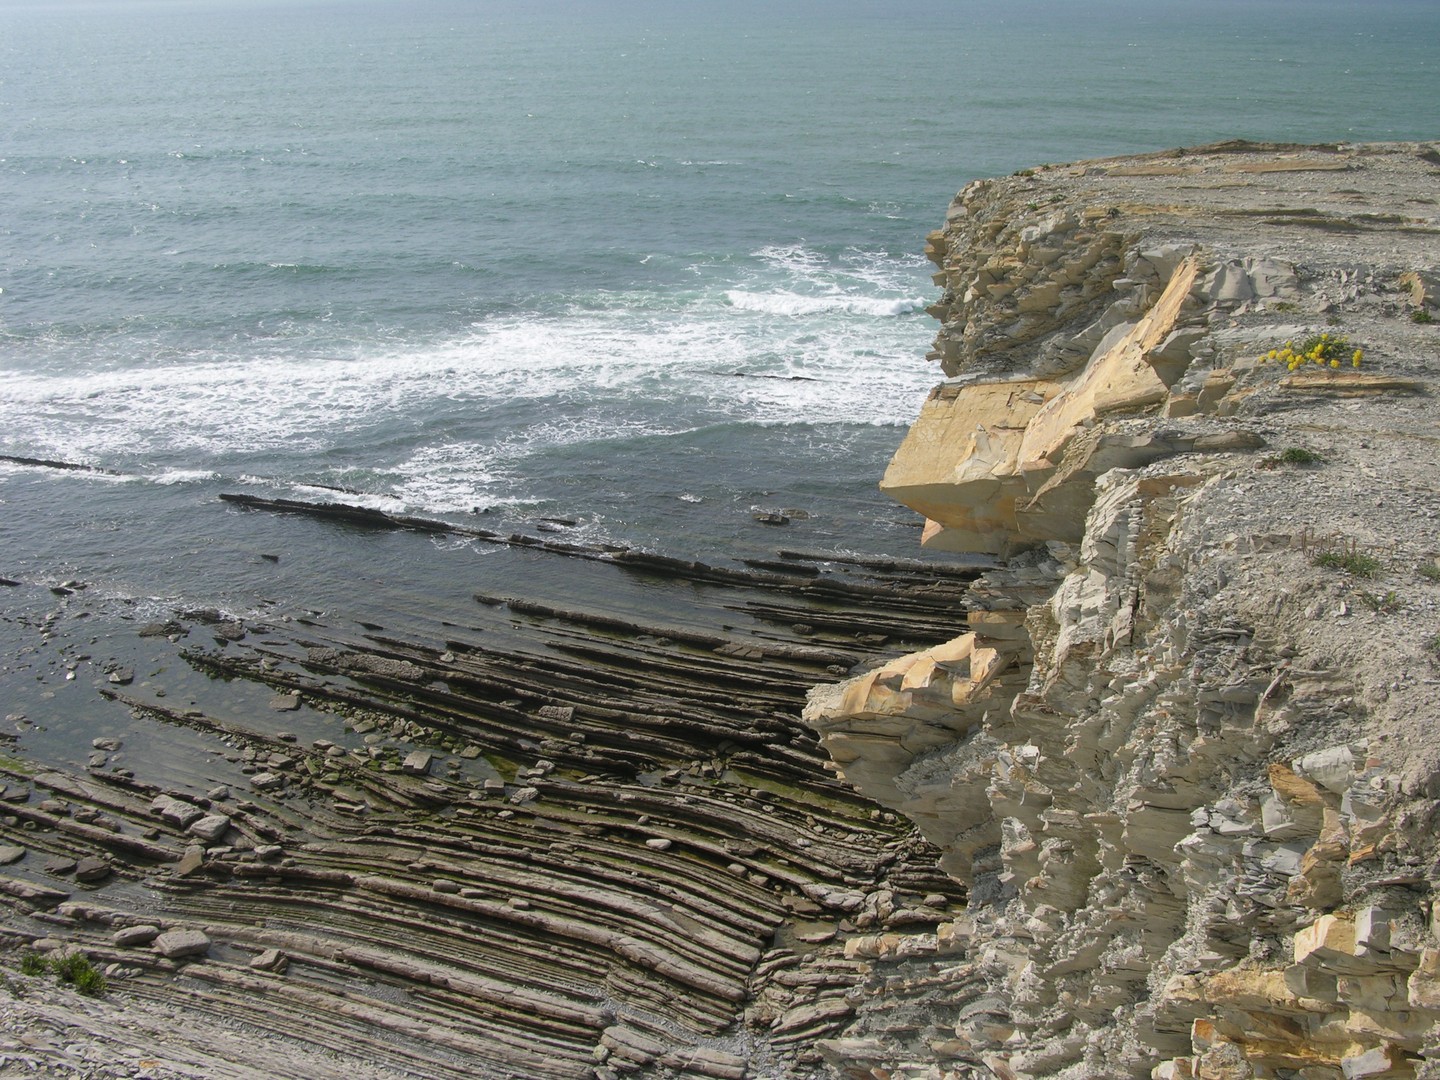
x=545, y=843
x=1138, y=780
x=1184, y=759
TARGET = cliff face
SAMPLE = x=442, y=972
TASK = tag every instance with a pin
x=1185, y=757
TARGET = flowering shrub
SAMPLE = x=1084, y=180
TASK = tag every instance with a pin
x=1326, y=350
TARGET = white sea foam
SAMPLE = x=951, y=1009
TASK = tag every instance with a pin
x=370, y=500
x=789, y=303
x=577, y=363
x=170, y=477
x=452, y=424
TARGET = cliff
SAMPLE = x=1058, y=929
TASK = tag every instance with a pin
x=1184, y=757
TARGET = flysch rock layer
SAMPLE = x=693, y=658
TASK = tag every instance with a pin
x=1186, y=757
x=540, y=843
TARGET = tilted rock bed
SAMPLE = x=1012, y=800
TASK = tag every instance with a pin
x=595, y=846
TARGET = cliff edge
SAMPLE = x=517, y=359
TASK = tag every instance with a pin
x=1185, y=757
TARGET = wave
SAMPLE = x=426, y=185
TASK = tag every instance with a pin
x=789, y=303
x=171, y=477
x=451, y=417
x=503, y=380
x=296, y=269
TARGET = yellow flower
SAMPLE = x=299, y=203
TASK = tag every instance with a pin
x=1334, y=363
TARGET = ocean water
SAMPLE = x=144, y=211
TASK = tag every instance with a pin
x=648, y=267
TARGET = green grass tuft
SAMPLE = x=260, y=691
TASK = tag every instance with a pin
x=1351, y=562
x=75, y=968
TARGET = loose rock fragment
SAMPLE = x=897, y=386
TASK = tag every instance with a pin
x=175, y=944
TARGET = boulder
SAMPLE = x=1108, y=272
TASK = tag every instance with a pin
x=132, y=936
x=91, y=870
x=176, y=811
x=211, y=827
x=175, y=944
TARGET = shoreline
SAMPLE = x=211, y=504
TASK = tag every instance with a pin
x=597, y=837
x=1172, y=789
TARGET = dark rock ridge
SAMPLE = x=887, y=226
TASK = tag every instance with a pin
x=551, y=843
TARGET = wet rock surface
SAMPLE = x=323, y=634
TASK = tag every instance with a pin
x=601, y=845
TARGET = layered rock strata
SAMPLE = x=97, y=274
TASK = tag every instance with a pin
x=547, y=843
x=1183, y=758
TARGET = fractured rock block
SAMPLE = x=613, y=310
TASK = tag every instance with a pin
x=211, y=827
x=272, y=960
x=1332, y=768
x=176, y=811
x=1328, y=944
x=1423, y=986
x=191, y=862
x=175, y=944
x=1382, y=1061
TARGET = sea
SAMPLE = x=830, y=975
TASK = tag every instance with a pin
x=648, y=272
